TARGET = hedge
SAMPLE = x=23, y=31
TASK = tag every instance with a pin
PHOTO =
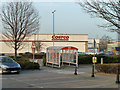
x=37, y=56
x=107, y=68
x=25, y=63
x=82, y=59
x=87, y=59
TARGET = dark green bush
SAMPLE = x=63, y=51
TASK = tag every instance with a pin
x=25, y=63
x=107, y=68
x=87, y=59
x=28, y=65
x=84, y=59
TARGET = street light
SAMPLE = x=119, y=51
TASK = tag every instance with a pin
x=53, y=25
x=93, y=66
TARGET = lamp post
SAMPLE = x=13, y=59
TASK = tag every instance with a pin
x=93, y=66
x=53, y=25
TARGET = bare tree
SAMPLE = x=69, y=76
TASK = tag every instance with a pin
x=39, y=46
x=108, y=10
x=104, y=41
x=19, y=19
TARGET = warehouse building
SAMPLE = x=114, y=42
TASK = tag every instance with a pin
x=43, y=41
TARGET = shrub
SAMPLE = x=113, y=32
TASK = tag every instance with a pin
x=107, y=68
x=84, y=59
x=28, y=65
x=25, y=63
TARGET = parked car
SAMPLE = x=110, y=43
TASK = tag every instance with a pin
x=42, y=52
x=81, y=53
x=8, y=65
x=103, y=53
x=28, y=53
x=92, y=53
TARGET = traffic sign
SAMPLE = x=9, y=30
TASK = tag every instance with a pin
x=94, y=59
x=33, y=46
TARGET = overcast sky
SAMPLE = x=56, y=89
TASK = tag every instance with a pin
x=69, y=19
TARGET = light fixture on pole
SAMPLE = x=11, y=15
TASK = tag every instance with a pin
x=53, y=25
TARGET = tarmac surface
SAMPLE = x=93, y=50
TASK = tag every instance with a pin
x=49, y=77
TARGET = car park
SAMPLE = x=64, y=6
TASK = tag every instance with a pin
x=8, y=65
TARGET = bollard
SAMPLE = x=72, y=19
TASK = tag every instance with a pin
x=75, y=71
x=101, y=60
x=93, y=71
x=117, y=79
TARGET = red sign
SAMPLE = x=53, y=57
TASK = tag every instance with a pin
x=33, y=46
x=60, y=37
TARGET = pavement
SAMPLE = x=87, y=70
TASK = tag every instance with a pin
x=49, y=77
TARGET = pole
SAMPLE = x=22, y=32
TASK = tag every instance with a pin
x=75, y=70
x=93, y=66
x=34, y=50
x=53, y=26
x=117, y=77
x=28, y=43
x=53, y=36
x=33, y=54
x=76, y=63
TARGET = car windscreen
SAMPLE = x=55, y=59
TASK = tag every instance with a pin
x=6, y=60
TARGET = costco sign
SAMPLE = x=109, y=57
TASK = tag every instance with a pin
x=60, y=37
